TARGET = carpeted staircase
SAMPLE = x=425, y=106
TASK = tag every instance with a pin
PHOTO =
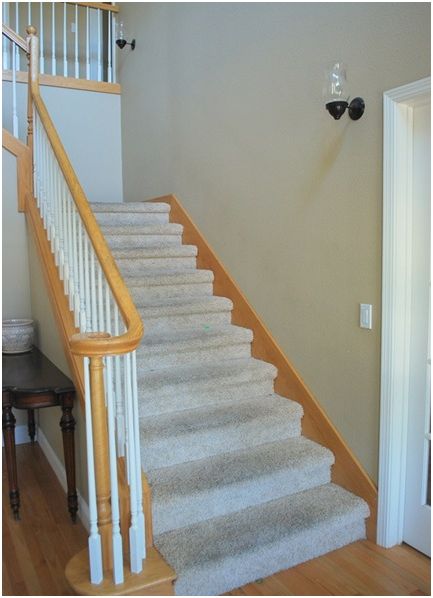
x=238, y=492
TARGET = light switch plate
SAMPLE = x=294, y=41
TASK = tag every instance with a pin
x=366, y=315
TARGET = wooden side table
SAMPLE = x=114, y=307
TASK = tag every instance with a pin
x=31, y=381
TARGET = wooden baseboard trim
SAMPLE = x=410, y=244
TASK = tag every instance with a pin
x=347, y=471
x=66, y=82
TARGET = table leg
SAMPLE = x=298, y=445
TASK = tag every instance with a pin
x=31, y=424
x=67, y=424
x=11, y=462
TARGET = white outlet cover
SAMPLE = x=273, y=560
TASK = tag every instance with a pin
x=366, y=315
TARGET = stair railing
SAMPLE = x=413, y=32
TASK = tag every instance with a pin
x=77, y=39
x=109, y=328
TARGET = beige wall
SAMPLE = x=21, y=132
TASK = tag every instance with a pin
x=222, y=105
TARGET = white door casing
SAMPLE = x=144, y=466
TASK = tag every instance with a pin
x=399, y=104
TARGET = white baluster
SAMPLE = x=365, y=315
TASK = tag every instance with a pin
x=95, y=547
x=36, y=142
x=6, y=45
x=100, y=300
x=53, y=39
x=99, y=41
x=87, y=44
x=70, y=252
x=56, y=215
x=113, y=48
x=78, y=290
x=115, y=513
x=14, y=93
x=120, y=418
x=135, y=543
x=65, y=51
x=81, y=274
x=77, y=66
x=29, y=13
x=87, y=282
x=140, y=514
x=93, y=290
x=41, y=39
x=110, y=49
x=66, y=268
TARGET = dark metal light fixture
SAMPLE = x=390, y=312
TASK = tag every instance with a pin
x=120, y=38
x=336, y=96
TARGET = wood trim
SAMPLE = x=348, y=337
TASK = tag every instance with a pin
x=62, y=314
x=347, y=471
x=99, y=5
x=24, y=167
x=15, y=38
x=66, y=82
x=398, y=106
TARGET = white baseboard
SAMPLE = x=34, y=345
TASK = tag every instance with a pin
x=22, y=435
x=59, y=470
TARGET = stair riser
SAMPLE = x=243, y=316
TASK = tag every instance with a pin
x=202, y=444
x=144, y=294
x=176, y=397
x=186, y=321
x=144, y=241
x=187, y=510
x=136, y=219
x=264, y=560
x=139, y=266
x=153, y=358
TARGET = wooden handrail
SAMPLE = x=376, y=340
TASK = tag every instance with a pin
x=99, y=5
x=15, y=38
x=85, y=344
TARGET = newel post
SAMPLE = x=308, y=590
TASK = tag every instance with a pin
x=101, y=458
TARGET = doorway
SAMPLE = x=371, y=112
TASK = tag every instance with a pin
x=405, y=401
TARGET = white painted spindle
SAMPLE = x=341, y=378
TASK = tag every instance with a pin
x=120, y=420
x=53, y=39
x=99, y=43
x=109, y=50
x=113, y=48
x=93, y=290
x=29, y=13
x=95, y=547
x=41, y=38
x=77, y=65
x=87, y=43
x=65, y=42
x=17, y=29
x=136, y=431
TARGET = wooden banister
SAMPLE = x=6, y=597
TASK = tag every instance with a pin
x=84, y=344
x=99, y=5
x=15, y=38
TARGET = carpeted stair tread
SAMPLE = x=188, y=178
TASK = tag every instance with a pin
x=130, y=207
x=199, y=384
x=194, y=434
x=169, y=277
x=156, y=250
x=182, y=305
x=167, y=229
x=189, y=338
x=222, y=553
x=198, y=490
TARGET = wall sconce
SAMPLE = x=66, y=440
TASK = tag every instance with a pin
x=336, y=96
x=120, y=38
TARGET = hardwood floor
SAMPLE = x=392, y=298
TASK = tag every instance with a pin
x=37, y=548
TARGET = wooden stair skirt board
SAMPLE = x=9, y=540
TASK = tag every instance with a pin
x=347, y=470
x=156, y=579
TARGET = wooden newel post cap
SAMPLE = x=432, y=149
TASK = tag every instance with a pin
x=30, y=30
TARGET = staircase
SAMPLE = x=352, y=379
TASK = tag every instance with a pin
x=238, y=492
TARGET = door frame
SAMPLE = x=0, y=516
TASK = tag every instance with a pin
x=398, y=107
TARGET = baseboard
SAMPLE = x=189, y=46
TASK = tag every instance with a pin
x=59, y=469
x=22, y=435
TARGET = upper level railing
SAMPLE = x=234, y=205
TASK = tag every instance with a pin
x=77, y=39
x=109, y=327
